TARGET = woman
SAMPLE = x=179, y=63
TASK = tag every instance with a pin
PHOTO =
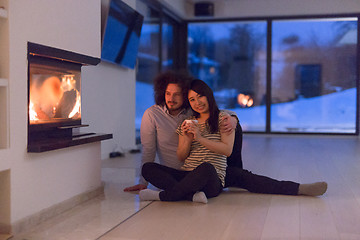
x=202, y=148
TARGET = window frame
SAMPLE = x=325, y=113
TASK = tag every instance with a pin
x=269, y=20
x=180, y=27
x=166, y=16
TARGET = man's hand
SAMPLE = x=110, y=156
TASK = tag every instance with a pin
x=137, y=187
x=229, y=124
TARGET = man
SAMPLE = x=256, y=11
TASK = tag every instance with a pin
x=159, y=122
x=158, y=137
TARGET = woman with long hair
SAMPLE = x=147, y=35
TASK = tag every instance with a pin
x=202, y=148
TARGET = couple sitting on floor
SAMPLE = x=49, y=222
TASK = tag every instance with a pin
x=199, y=148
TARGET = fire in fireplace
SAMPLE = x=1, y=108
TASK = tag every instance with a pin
x=54, y=98
x=55, y=93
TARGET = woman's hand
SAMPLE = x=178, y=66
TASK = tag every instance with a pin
x=193, y=129
x=185, y=129
x=185, y=139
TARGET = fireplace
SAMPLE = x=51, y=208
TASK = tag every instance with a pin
x=54, y=99
x=54, y=92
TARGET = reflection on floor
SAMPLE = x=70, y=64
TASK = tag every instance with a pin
x=235, y=214
x=97, y=216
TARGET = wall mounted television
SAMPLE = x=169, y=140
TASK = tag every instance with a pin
x=121, y=35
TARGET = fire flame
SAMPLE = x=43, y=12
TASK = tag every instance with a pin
x=68, y=83
x=77, y=107
x=45, y=100
x=32, y=113
x=245, y=100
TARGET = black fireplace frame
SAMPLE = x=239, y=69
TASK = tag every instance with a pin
x=55, y=135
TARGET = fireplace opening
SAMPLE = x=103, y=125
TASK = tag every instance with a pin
x=54, y=99
x=55, y=92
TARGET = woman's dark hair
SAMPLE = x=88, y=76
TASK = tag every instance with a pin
x=201, y=88
x=161, y=82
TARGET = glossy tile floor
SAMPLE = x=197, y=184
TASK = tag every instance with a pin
x=96, y=216
x=235, y=214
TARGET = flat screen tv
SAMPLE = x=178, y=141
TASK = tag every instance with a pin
x=121, y=34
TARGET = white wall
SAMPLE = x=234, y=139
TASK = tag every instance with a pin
x=252, y=8
x=41, y=180
x=108, y=100
x=178, y=7
x=286, y=7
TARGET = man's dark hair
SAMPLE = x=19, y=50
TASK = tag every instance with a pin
x=201, y=88
x=161, y=82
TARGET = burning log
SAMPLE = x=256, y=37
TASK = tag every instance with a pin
x=66, y=104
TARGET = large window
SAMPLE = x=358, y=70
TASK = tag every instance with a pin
x=231, y=58
x=312, y=87
x=314, y=75
x=156, y=53
x=167, y=44
x=148, y=61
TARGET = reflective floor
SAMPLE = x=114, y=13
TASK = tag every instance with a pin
x=235, y=214
x=97, y=216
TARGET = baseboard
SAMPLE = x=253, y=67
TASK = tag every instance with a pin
x=5, y=228
x=5, y=236
x=33, y=220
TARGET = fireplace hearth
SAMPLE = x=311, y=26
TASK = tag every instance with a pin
x=54, y=99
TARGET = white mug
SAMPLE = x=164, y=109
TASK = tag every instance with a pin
x=191, y=121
